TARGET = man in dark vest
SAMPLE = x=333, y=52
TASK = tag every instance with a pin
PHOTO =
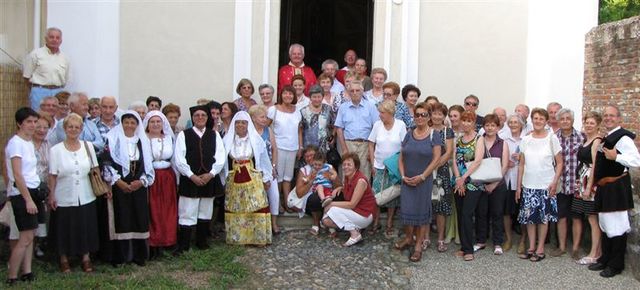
x=613, y=196
x=199, y=157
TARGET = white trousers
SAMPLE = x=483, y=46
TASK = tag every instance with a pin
x=347, y=219
x=274, y=197
x=191, y=209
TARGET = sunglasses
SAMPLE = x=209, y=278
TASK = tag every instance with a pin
x=422, y=115
x=471, y=104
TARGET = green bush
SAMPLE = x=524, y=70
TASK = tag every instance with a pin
x=614, y=10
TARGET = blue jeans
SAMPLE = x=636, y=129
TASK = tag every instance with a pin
x=38, y=93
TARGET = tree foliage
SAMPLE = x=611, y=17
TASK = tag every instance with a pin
x=614, y=10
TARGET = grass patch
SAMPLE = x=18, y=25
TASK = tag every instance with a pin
x=214, y=268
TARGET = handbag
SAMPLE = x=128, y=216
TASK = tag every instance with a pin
x=388, y=194
x=490, y=169
x=560, y=184
x=297, y=203
x=581, y=183
x=437, y=190
x=98, y=185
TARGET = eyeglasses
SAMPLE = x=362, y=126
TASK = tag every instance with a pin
x=470, y=104
x=422, y=115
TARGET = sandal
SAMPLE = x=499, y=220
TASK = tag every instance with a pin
x=64, y=267
x=537, y=257
x=497, y=250
x=527, y=255
x=426, y=244
x=314, y=230
x=587, y=261
x=374, y=229
x=401, y=245
x=388, y=232
x=87, y=267
x=478, y=247
x=333, y=233
x=416, y=256
x=442, y=247
x=352, y=241
x=468, y=257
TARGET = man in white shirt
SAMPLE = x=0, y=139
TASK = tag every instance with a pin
x=199, y=157
x=46, y=68
x=614, y=196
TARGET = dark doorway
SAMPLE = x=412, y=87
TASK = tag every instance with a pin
x=326, y=29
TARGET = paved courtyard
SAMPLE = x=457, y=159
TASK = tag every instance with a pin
x=301, y=261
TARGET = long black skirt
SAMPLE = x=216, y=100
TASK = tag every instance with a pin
x=76, y=229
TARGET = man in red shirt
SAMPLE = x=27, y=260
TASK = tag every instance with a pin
x=296, y=67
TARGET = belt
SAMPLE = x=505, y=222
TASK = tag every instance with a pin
x=241, y=161
x=359, y=140
x=610, y=179
x=46, y=86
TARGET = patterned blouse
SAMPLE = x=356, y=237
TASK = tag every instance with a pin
x=317, y=127
x=242, y=107
x=403, y=114
x=466, y=152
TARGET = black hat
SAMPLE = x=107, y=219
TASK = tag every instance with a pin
x=205, y=109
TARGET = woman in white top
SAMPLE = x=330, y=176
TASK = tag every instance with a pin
x=285, y=119
x=537, y=180
x=163, y=201
x=22, y=190
x=512, y=139
x=299, y=84
x=72, y=198
x=385, y=140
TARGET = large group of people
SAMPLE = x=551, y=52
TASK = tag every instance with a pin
x=329, y=147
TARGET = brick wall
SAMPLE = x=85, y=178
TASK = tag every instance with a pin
x=13, y=95
x=612, y=70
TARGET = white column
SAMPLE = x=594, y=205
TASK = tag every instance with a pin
x=265, y=33
x=242, y=42
x=410, y=40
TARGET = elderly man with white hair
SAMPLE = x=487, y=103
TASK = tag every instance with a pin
x=46, y=68
x=296, y=67
x=107, y=119
x=79, y=104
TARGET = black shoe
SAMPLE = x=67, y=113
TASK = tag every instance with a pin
x=11, y=282
x=597, y=267
x=609, y=272
x=27, y=277
x=140, y=263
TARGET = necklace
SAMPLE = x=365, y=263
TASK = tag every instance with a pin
x=159, y=156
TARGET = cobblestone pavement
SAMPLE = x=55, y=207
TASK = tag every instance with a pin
x=298, y=260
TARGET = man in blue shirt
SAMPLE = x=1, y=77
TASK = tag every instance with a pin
x=354, y=123
x=79, y=104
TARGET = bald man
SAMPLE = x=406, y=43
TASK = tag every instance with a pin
x=107, y=119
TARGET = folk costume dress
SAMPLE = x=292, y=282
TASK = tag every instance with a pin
x=247, y=216
x=198, y=151
x=128, y=212
x=163, y=200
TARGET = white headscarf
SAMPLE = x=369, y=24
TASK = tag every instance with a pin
x=257, y=144
x=166, y=127
x=120, y=153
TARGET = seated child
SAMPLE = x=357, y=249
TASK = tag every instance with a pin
x=323, y=183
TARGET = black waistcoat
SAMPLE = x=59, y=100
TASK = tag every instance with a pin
x=200, y=157
x=615, y=196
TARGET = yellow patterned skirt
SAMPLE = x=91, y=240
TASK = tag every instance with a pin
x=247, y=218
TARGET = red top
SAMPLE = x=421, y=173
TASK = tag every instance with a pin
x=367, y=203
x=286, y=73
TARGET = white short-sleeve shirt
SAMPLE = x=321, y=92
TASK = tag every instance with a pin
x=539, y=154
x=387, y=142
x=71, y=168
x=285, y=128
x=26, y=151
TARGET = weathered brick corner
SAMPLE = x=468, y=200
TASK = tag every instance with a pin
x=612, y=76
